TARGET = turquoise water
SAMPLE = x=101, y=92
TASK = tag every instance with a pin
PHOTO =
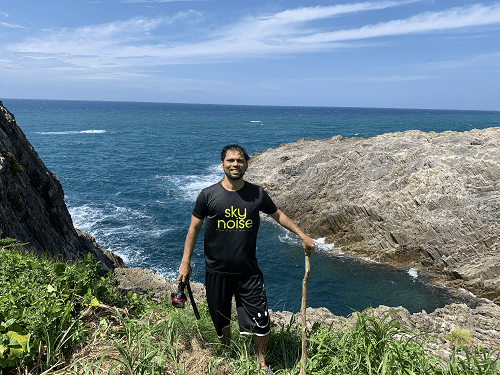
x=131, y=173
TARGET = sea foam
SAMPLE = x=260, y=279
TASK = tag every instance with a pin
x=69, y=132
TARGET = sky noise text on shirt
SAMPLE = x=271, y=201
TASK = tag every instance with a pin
x=234, y=219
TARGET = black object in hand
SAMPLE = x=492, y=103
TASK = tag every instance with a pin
x=179, y=298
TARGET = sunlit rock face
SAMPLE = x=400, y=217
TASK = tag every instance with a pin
x=413, y=199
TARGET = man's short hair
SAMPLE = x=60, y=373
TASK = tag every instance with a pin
x=234, y=147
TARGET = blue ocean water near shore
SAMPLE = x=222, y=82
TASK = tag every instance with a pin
x=131, y=173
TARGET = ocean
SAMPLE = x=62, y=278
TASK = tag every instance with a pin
x=131, y=173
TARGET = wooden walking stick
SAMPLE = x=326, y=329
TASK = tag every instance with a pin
x=303, y=318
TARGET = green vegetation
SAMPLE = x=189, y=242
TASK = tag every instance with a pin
x=15, y=168
x=459, y=337
x=40, y=303
x=63, y=318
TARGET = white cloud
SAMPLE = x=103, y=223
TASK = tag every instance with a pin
x=11, y=26
x=146, y=42
x=485, y=61
x=156, y=1
x=475, y=15
x=321, y=80
x=393, y=78
x=280, y=28
x=141, y=39
x=305, y=14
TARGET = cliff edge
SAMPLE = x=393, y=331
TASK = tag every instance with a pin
x=425, y=200
x=482, y=323
x=32, y=207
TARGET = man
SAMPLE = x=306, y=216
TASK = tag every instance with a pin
x=231, y=209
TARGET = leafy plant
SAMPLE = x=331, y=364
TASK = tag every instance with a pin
x=45, y=298
x=14, y=342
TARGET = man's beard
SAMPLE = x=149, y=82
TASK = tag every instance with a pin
x=234, y=177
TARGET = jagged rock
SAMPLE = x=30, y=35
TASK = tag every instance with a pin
x=141, y=280
x=482, y=322
x=32, y=207
x=425, y=200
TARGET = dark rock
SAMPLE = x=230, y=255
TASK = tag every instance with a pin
x=32, y=207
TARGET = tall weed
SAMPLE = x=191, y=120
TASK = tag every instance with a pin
x=371, y=346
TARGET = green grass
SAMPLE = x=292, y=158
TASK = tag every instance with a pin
x=63, y=318
x=459, y=337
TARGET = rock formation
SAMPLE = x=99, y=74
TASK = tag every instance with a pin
x=32, y=207
x=412, y=199
x=481, y=322
x=140, y=281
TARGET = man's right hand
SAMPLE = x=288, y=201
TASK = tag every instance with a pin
x=185, y=272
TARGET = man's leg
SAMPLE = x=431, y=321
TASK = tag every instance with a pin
x=219, y=297
x=261, y=348
x=225, y=339
x=253, y=315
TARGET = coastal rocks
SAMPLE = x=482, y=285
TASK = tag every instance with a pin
x=430, y=201
x=140, y=281
x=482, y=323
x=32, y=207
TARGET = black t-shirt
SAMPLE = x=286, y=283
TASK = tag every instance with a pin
x=231, y=226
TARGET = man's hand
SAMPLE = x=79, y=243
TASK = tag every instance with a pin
x=185, y=272
x=308, y=245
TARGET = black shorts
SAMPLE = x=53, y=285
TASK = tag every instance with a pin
x=251, y=302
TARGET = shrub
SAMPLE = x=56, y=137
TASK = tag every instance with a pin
x=45, y=297
x=459, y=337
x=15, y=168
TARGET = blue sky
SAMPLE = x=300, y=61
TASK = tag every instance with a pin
x=401, y=54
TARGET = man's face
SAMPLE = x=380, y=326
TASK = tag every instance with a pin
x=234, y=165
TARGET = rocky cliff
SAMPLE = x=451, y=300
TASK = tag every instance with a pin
x=412, y=199
x=32, y=207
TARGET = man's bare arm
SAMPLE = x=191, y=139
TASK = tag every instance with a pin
x=185, y=270
x=287, y=223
